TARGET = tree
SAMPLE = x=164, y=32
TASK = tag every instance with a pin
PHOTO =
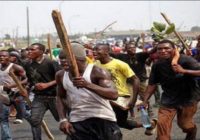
x=7, y=36
x=195, y=29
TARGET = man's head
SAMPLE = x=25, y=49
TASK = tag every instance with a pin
x=24, y=53
x=4, y=57
x=58, y=45
x=80, y=55
x=89, y=53
x=165, y=49
x=130, y=48
x=79, y=51
x=36, y=50
x=63, y=59
x=14, y=56
x=101, y=51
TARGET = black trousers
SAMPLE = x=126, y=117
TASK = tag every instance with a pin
x=122, y=118
x=96, y=129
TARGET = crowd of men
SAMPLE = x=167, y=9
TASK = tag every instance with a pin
x=98, y=102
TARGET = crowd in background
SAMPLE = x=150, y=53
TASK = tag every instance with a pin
x=36, y=71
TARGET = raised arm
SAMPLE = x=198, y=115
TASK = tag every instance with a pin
x=191, y=67
x=179, y=69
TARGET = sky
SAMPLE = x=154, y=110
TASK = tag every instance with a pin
x=91, y=16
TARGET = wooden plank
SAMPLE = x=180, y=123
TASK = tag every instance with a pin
x=64, y=39
x=49, y=46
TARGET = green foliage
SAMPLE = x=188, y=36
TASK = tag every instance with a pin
x=161, y=31
x=170, y=29
x=154, y=30
x=159, y=26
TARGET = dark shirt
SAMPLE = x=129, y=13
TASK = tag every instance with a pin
x=178, y=89
x=43, y=72
x=136, y=62
x=196, y=54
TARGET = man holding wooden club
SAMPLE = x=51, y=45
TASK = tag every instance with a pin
x=176, y=74
x=90, y=113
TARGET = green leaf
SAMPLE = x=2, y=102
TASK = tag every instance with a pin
x=154, y=30
x=158, y=37
x=159, y=26
x=170, y=29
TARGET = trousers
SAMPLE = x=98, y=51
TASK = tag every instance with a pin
x=184, y=120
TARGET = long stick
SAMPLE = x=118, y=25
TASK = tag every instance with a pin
x=143, y=40
x=64, y=39
x=176, y=33
x=22, y=92
x=102, y=31
x=47, y=131
x=49, y=46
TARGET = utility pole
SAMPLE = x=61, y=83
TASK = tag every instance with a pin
x=16, y=37
x=28, y=34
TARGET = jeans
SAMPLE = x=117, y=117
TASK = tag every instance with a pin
x=184, y=120
x=39, y=106
x=5, y=129
x=20, y=106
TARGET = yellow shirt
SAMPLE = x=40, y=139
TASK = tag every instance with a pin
x=120, y=71
x=89, y=60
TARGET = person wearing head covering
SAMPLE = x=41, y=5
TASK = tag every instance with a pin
x=86, y=101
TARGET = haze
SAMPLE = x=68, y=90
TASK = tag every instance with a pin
x=90, y=16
